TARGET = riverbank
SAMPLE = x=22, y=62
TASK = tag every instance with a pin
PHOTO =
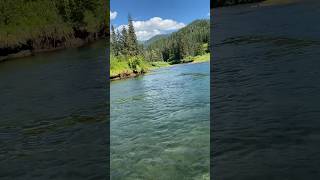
x=27, y=29
x=19, y=51
x=122, y=69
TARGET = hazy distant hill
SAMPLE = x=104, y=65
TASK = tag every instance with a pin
x=154, y=38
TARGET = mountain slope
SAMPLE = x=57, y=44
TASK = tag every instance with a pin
x=155, y=38
x=192, y=40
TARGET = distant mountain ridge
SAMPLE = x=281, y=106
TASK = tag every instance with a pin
x=155, y=38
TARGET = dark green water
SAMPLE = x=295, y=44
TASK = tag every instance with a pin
x=160, y=124
x=53, y=122
x=265, y=92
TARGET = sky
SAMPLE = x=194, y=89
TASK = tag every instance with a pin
x=151, y=17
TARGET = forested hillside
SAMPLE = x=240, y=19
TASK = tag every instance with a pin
x=36, y=25
x=191, y=40
x=155, y=38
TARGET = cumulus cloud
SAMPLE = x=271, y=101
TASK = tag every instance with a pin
x=154, y=26
x=113, y=15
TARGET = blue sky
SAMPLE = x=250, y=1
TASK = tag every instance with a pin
x=153, y=17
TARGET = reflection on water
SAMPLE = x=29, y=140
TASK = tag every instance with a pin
x=266, y=92
x=160, y=124
x=53, y=115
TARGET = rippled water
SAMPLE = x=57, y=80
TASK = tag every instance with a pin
x=266, y=83
x=53, y=115
x=160, y=124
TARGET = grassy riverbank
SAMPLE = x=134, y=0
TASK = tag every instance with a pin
x=130, y=58
x=200, y=58
x=124, y=67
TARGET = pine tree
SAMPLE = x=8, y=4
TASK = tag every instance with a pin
x=118, y=40
x=124, y=41
x=114, y=42
x=132, y=38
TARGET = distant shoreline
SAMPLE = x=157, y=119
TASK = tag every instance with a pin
x=19, y=52
x=127, y=75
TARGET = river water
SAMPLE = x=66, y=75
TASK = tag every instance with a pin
x=53, y=122
x=160, y=127
x=266, y=84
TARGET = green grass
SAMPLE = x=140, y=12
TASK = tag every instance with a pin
x=119, y=66
x=202, y=58
x=158, y=64
x=197, y=59
x=127, y=65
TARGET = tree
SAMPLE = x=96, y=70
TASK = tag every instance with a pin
x=123, y=41
x=132, y=39
x=114, y=40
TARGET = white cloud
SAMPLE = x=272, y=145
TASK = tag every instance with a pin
x=154, y=26
x=113, y=15
x=208, y=14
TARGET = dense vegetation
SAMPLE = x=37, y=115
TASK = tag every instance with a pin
x=47, y=24
x=154, y=38
x=129, y=56
x=126, y=53
x=189, y=41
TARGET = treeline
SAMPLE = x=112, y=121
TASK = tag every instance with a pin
x=124, y=42
x=191, y=40
x=47, y=24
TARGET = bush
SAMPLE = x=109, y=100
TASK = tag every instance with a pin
x=138, y=64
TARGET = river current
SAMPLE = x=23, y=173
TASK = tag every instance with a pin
x=160, y=126
x=265, y=91
x=53, y=115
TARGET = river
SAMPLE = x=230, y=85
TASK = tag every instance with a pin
x=160, y=125
x=265, y=84
x=53, y=122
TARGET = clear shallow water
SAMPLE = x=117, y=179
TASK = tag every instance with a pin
x=265, y=84
x=160, y=124
x=53, y=122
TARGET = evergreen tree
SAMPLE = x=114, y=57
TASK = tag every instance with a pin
x=132, y=39
x=114, y=42
x=124, y=41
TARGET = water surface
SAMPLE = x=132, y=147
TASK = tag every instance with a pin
x=53, y=115
x=266, y=84
x=160, y=124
